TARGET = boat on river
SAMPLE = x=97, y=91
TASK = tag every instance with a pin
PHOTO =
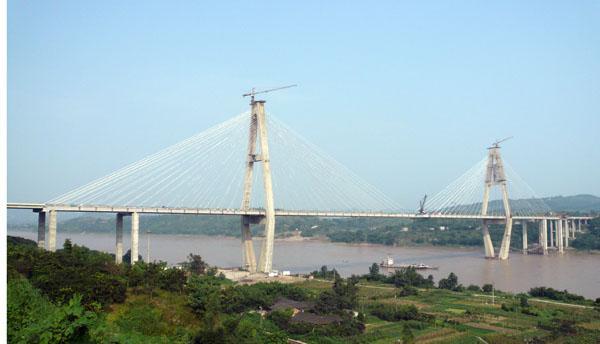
x=388, y=263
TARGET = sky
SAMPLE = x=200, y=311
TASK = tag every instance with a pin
x=408, y=95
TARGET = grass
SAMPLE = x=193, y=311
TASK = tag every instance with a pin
x=462, y=317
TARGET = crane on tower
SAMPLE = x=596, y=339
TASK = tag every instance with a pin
x=254, y=92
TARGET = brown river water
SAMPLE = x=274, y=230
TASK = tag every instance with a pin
x=577, y=272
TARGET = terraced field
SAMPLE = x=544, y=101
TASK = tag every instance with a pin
x=470, y=317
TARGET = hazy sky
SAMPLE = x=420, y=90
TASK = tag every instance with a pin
x=407, y=95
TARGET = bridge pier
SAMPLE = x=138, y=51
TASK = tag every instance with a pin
x=52, y=231
x=41, y=238
x=524, y=230
x=551, y=231
x=566, y=232
x=559, y=236
x=487, y=241
x=505, y=247
x=119, y=239
x=544, y=236
x=135, y=230
x=247, y=246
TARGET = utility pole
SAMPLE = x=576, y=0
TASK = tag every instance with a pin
x=258, y=129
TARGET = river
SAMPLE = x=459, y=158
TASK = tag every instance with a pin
x=577, y=272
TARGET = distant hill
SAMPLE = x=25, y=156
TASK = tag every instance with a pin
x=577, y=203
x=229, y=225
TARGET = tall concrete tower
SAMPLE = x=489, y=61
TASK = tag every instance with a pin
x=258, y=129
x=495, y=176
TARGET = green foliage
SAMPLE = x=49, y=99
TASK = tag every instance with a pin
x=142, y=318
x=408, y=291
x=509, y=307
x=591, y=239
x=473, y=287
x=374, y=274
x=342, y=296
x=196, y=265
x=409, y=277
x=281, y=317
x=450, y=283
x=73, y=270
x=487, y=288
x=127, y=257
x=523, y=300
x=32, y=318
x=395, y=312
x=555, y=294
x=407, y=335
x=325, y=273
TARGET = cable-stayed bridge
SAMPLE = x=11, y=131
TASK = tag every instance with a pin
x=214, y=173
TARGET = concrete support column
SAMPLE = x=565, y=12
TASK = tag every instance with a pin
x=487, y=241
x=544, y=225
x=119, y=239
x=579, y=226
x=559, y=236
x=41, y=240
x=566, y=232
x=524, y=230
x=52, y=231
x=135, y=232
x=551, y=233
x=505, y=246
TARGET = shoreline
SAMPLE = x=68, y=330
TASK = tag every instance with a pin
x=290, y=239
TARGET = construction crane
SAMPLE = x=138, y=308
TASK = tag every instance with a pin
x=498, y=142
x=253, y=92
x=422, y=205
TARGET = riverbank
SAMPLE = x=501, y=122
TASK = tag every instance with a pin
x=573, y=271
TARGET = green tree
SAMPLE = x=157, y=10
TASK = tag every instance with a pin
x=196, y=265
x=32, y=318
x=523, y=300
x=343, y=295
x=374, y=272
x=449, y=283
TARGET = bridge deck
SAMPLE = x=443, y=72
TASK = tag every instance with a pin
x=259, y=212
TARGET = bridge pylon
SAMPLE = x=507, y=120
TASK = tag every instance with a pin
x=495, y=176
x=258, y=129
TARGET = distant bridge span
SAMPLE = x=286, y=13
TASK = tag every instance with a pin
x=40, y=207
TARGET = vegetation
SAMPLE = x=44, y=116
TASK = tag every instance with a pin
x=591, y=239
x=80, y=295
x=554, y=294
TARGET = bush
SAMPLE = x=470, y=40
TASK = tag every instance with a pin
x=396, y=313
x=325, y=273
x=487, y=288
x=409, y=277
x=32, y=318
x=408, y=291
x=449, y=283
x=342, y=296
x=73, y=270
x=473, y=287
x=555, y=294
